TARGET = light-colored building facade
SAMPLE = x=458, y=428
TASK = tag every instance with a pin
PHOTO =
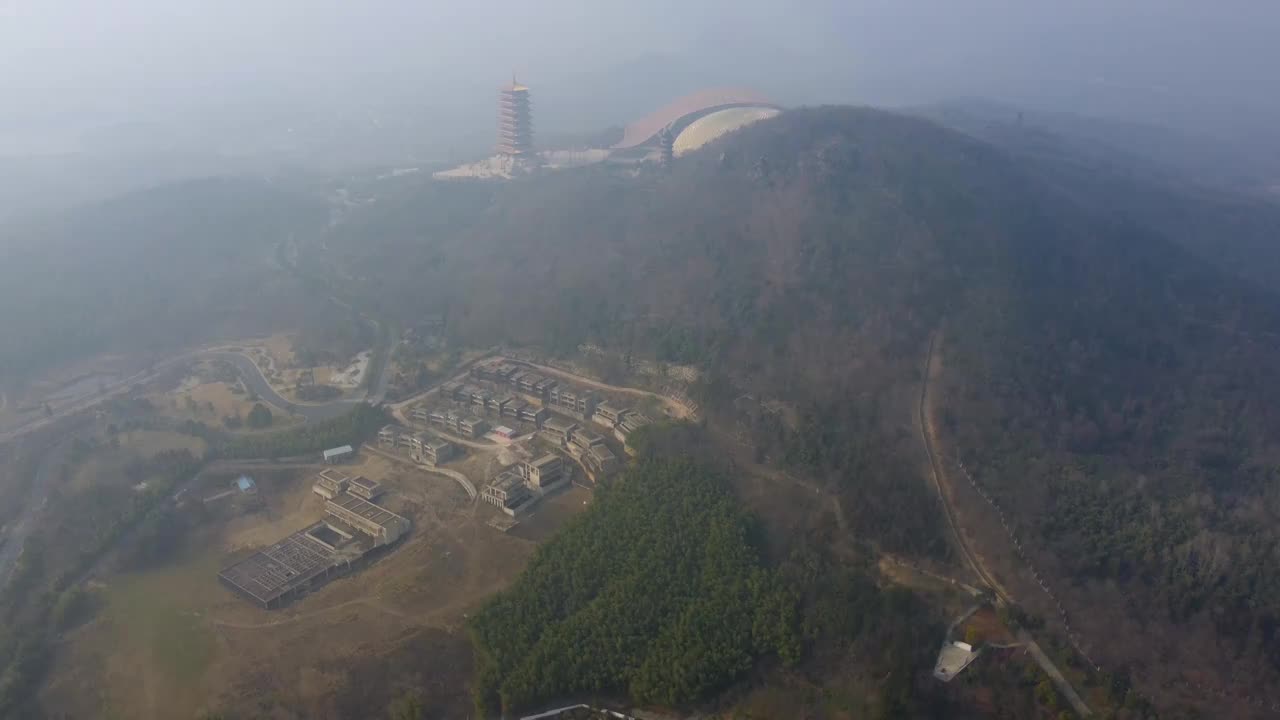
x=544, y=471
x=330, y=484
x=507, y=492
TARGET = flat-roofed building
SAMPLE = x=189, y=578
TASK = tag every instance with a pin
x=528, y=382
x=384, y=526
x=339, y=454
x=389, y=435
x=585, y=439
x=544, y=386
x=504, y=371
x=273, y=575
x=535, y=415
x=330, y=483
x=416, y=441
x=496, y=371
x=436, y=452
x=572, y=399
x=514, y=409
x=601, y=460
x=420, y=413
x=361, y=486
x=506, y=492
x=608, y=414
x=546, y=470
x=472, y=427
x=630, y=423
x=559, y=428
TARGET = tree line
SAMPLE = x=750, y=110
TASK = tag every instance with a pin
x=353, y=428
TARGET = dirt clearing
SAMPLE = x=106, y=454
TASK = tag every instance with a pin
x=173, y=642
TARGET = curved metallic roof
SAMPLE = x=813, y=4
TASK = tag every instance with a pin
x=644, y=129
x=713, y=125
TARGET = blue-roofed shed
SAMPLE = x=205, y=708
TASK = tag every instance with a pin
x=245, y=483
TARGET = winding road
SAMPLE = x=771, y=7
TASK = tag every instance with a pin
x=257, y=383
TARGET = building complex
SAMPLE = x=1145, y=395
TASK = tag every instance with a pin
x=423, y=448
x=353, y=527
x=517, y=488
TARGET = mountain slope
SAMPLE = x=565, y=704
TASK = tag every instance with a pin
x=149, y=271
x=1113, y=390
x=1215, y=198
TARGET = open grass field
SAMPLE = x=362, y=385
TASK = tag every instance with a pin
x=210, y=402
x=280, y=348
x=206, y=401
x=145, y=651
x=152, y=442
x=172, y=642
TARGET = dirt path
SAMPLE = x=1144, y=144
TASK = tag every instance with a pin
x=463, y=480
x=742, y=460
x=682, y=411
x=928, y=434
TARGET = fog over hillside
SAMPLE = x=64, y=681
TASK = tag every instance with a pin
x=714, y=359
x=395, y=77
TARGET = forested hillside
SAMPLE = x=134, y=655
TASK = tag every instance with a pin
x=1217, y=199
x=150, y=271
x=1114, y=389
x=657, y=593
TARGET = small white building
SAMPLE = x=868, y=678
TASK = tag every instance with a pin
x=338, y=454
x=952, y=658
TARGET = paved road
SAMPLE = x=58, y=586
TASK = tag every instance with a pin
x=256, y=383
x=971, y=558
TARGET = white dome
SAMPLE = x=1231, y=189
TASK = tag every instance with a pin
x=709, y=127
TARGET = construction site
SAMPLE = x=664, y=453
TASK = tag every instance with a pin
x=353, y=530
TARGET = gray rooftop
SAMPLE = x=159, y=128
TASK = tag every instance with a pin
x=559, y=424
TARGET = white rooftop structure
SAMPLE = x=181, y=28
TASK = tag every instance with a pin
x=334, y=453
x=952, y=658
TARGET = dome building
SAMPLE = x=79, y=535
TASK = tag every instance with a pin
x=693, y=121
x=709, y=127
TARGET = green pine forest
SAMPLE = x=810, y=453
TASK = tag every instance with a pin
x=657, y=592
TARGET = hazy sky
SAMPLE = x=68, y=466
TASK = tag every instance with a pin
x=80, y=64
